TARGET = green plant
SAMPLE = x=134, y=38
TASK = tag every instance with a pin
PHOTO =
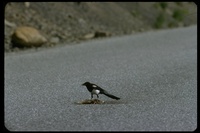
x=155, y=5
x=163, y=5
x=179, y=14
x=134, y=13
x=159, y=21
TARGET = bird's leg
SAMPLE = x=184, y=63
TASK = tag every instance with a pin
x=97, y=96
x=91, y=96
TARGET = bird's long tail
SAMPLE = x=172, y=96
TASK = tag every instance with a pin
x=111, y=96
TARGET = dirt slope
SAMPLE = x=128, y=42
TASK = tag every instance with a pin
x=69, y=22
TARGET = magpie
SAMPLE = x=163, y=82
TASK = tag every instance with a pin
x=94, y=89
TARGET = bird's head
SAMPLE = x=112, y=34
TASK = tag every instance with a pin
x=86, y=83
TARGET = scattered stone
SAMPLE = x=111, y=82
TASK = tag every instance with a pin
x=9, y=23
x=27, y=37
x=88, y=36
x=91, y=101
x=54, y=40
x=7, y=42
x=27, y=4
x=96, y=35
x=70, y=16
x=133, y=32
x=102, y=34
x=81, y=21
x=141, y=30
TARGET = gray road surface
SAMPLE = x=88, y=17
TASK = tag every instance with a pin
x=154, y=74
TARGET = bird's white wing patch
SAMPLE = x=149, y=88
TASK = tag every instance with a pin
x=94, y=86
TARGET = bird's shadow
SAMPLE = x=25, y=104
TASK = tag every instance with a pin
x=97, y=101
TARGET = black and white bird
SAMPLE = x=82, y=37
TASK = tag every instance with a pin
x=94, y=89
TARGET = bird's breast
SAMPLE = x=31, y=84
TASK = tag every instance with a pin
x=95, y=91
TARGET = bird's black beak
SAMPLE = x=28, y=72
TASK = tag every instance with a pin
x=84, y=84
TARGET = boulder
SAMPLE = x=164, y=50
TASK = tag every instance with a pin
x=27, y=37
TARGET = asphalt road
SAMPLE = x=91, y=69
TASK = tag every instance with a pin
x=154, y=74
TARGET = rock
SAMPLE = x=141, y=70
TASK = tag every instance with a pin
x=102, y=34
x=70, y=16
x=88, y=36
x=54, y=40
x=27, y=37
x=9, y=23
x=27, y=4
x=96, y=34
x=141, y=30
x=81, y=21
